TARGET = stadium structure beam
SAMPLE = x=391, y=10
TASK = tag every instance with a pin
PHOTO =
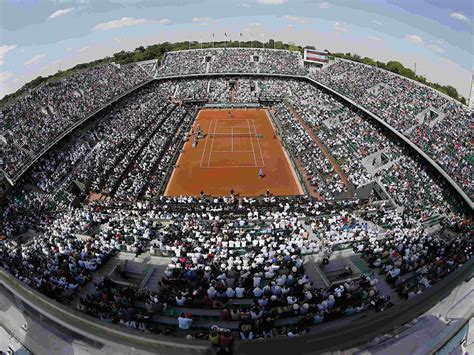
x=390, y=128
x=397, y=133
x=348, y=335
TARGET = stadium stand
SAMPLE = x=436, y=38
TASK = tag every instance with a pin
x=232, y=268
x=436, y=123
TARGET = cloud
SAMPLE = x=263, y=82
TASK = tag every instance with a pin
x=435, y=48
x=123, y=22
x=377, y=22
x=203, y=21
x=295, y=19
x=324, y=5
x=414, y=39
x=458, y=16
x=374, y=38
x=245, y=5
x=164, y=21
x=271, y=2
x=4, y=50
x=340, y=27
x=5, y=75
x=83, y=49
x=36, y=59
x=200, y=19
x=429, y=44
x=61, y=13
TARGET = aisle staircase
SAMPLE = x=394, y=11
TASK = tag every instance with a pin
x=324, y=151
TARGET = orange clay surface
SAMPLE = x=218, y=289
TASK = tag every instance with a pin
x=226, y=161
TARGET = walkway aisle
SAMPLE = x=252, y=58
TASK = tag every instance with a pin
x=96, y=277
x=158, y=262
x=325, y=151
x=385, y=288
x=310, y=263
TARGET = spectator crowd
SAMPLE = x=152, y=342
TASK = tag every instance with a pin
x=437, y=124
x=237, y=267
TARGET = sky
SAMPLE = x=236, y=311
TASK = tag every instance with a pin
x=41, y=37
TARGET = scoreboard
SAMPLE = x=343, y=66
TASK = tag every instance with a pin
x=312, y=55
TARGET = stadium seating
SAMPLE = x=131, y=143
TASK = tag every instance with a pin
x=436, y=123
x=232, y=267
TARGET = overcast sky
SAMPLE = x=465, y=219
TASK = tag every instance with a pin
x=40, y=37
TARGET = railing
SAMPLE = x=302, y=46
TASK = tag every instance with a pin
x=71, y=128
x=413, y=146
x=418, y=150
x=162, y=186
x=95, y=329
x=437, y=92
x=289, y=156
x=232, y=105
x=363, y=329
x=347, y=335
x=408, y=142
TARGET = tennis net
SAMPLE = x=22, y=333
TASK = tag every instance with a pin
x=232, y=135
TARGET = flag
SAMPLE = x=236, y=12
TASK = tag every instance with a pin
x=213, y=35
x=241, y=35
x=225, y=34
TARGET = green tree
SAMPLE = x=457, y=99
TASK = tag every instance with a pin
x=157, y=51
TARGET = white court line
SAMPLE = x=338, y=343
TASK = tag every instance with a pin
x=232, y=126
x=205, y=144
x=225, y=120
x=251, y=141
x=230, y=135
x=258, y=142
x=232, y=166
x=210, y=153
x=232, y=151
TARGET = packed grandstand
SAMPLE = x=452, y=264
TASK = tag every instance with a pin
x=385, y=165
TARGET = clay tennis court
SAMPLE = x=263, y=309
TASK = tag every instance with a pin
x=229, y=156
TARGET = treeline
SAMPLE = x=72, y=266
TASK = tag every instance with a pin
x=157, y=51
x=399, y=68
